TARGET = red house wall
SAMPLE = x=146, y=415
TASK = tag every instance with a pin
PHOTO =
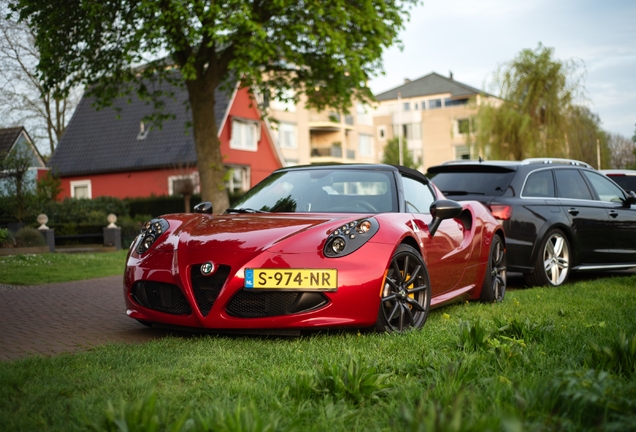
x=263, y=161
x=155, y=182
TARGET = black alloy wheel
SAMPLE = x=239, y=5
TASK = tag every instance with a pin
x=494, y=287
x=406, y=297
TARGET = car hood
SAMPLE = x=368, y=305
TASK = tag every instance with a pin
x=289, y=233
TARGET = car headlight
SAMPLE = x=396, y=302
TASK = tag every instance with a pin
x=350, y=237
x=150, y=233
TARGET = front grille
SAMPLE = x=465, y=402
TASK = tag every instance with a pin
x=250, y=304
x=206, y=288
x=160, y=296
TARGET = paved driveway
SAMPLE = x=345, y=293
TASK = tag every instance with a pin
x=63, y=317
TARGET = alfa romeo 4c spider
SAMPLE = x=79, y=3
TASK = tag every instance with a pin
x=316, y=247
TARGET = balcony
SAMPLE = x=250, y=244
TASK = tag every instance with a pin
x=329, y=121
x=330, y=154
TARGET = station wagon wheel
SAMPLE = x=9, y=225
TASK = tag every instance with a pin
x=552, y=266
x=494, y=287
x=406, y=295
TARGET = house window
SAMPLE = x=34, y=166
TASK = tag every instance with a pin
x=462, y=153
x=287, y=135
x=434, y=103
x=245, y=135
x=184, y=184
x=382, y=133
x=239, y=179
x=463, y=126
x=365, y=145
x=407, y=106
x=454, y=102
x=409, y=130
x=363, y=114
x=81, y=189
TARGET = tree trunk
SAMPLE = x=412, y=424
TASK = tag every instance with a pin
x=207, y=144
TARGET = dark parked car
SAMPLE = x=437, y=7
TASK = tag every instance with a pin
x=559, y=215
x=624, y=178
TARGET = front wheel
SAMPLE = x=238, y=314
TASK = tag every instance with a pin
x=552, y=266
x=406, y=295
x=494, y=287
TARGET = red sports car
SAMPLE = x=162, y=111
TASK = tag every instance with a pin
x=311, y=247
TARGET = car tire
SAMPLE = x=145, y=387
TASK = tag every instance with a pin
x=494, y=286
x=552, y=266
x=406, y=296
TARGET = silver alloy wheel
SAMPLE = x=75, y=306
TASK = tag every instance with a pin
x=498, y=271
x=556, y=259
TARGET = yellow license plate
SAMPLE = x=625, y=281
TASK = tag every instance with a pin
x=292, y=279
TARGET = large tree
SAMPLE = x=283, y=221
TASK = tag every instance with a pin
x=541, y=111
x=326, y=49
x=391, y=154
x=23, y=99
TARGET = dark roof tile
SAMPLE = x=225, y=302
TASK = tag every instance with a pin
x=106, y=140
x=428, y=85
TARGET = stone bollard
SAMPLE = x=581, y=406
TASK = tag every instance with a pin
x=47, y=233
x=112, y=233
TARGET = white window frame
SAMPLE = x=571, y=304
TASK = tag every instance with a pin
x=82, y=183
x=238, y=141
x=365, y=149
x=291, y=129
x=195, y=181
x=245, y=174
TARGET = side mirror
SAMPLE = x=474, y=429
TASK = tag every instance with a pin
x=440, y=210
x=631, y=198
x=204, y=207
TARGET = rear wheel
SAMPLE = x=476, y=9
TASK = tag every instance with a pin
x=406, y=296
x=552, y=266
x=494, y=287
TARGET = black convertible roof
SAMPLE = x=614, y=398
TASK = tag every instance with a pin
x=409, y=172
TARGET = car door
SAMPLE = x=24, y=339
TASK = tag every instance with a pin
x=445, y=256
x=622, y=218
x=588, y=217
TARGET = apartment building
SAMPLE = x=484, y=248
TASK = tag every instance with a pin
x=306, y=136
x=434, y=116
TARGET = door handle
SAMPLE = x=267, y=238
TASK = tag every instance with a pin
x=613, y=213
x=573, y=211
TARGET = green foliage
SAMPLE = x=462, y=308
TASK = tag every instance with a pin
x=354, y=381
x=618, y=357
x=392, y=154
x=540, y=114
x=526, y=329
x=584, y=397
x=6, y=238
x=472, y=337
x=49, y=187
x=14, y=166
x=141, y=415
x=243, y=418
x=28, y=237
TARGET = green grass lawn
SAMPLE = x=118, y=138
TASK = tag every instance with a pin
x=544, y=359
x=35, y=269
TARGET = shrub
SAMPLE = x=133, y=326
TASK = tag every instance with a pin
x=28, y=237
x=6, y=238
x=619, y=357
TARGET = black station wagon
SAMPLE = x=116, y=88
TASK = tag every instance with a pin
x=559, y=215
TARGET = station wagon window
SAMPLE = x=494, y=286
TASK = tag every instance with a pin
x=571, y=185
x=418, y=196
x=539, y=184
x=605, y=189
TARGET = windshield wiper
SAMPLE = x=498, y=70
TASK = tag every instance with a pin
x=457, y=192
x=243, y=210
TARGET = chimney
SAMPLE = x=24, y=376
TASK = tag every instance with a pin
x=407, y=80
x=450, y=74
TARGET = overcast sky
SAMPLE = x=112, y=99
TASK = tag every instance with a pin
x=472, y=38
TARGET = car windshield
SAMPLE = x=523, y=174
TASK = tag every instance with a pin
x=321, y=191
x=473, y=183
